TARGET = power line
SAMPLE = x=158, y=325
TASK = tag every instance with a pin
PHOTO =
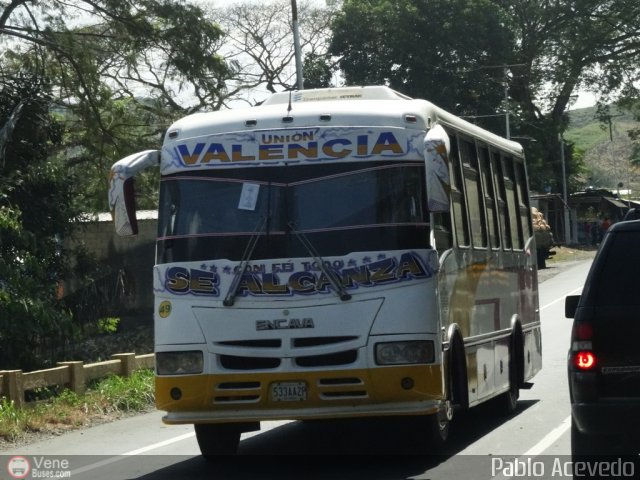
x=505, y=84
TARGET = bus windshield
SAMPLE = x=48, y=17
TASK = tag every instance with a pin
x=342, y=208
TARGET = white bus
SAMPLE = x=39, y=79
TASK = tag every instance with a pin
x=336, y=253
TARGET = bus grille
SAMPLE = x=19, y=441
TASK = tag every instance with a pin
x=237, y=392
x=269, y=356
x=327, y=389
x=329, y=360
x=232, y=362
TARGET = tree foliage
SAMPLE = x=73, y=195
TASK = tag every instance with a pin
x=122, y=71
x=82, y=84
x=461, y=54
x=563, y=46
x=449, y=52
x=258, y=44
x=36, y=209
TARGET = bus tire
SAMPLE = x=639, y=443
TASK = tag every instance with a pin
x=217, y=441
x=438, y=426
x=508, y=401
x=458, y=387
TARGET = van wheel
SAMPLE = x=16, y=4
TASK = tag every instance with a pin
x=217, y=440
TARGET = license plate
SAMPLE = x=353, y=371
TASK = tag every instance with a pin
x=288, y=391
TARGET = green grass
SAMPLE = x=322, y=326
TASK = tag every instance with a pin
x=588, y=132
x=106, y=398
x=566, y=254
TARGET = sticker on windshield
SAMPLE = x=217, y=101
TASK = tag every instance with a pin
x=249, y=196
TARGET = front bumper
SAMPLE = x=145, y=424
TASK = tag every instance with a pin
x=331, y=394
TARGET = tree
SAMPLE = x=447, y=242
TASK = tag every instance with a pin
x=36, y=206
x=560, y=47
x=318, y=71
x=162, y=47
x=462, y=54
x=448, y=52
x=258, y=44
x=121, y=72
x=83, y=84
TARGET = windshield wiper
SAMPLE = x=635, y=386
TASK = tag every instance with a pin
x=230, y=298
x=330, y=274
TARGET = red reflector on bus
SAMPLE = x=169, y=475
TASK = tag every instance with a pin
x=584, y=360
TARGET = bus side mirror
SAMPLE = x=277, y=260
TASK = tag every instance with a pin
x=436, y=162
x=122, y=191
x=571, y=305
x=632, y=214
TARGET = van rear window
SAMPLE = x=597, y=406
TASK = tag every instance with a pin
x=619, y=277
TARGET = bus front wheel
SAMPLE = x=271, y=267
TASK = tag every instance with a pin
x=217, y=440
x=438, y=425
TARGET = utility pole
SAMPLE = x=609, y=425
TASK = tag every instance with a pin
x=296, y=44
x=565, y=196
x=506, y=102
x=616, y=173
x=505, y=85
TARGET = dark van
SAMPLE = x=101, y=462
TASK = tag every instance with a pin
x=604, y=355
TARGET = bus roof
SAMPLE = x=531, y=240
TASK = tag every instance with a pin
x=329, y=107
x=336, y=94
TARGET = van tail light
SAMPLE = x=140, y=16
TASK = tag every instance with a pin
x=582, y=347
x=584, y=360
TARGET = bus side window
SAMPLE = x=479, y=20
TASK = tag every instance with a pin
x=442, y=231
x=489, y=196
x=458, y=201
x=501, y=197
x=473, y=190
x=512, y=203
x=523, y=200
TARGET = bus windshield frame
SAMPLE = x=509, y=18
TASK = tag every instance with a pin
x=341, y=208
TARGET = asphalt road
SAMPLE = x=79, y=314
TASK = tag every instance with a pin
x=483, y=445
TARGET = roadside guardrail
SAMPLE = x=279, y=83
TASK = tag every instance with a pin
x=74, y=375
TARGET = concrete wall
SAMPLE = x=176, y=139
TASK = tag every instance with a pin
x=134, y=256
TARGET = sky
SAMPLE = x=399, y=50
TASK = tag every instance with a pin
x=584, y=100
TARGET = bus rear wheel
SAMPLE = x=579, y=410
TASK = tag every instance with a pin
x=508, y=401
x=217, y=440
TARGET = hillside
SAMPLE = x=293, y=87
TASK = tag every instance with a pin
x=608, y=162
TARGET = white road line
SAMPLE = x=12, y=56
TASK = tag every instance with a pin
x=539, y=447
x=116, y=458
x=549, y=438
x=561, y=299
x=122, y=456
x=561, y=429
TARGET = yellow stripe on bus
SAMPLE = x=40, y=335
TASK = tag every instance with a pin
x=238, y=391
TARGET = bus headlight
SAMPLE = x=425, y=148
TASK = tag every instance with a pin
x=179, y=363
x=398, y=353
